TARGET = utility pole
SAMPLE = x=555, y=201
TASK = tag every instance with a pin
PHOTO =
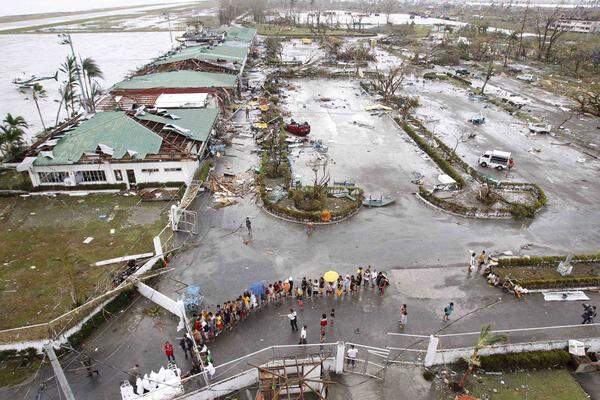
x=66, y=39
x=58, y=372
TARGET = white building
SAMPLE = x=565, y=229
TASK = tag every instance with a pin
x=577, y=25
x=123, y=149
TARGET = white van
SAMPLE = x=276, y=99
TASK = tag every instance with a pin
x=496, y=159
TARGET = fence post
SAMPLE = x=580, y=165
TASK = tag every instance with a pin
x=339, y=357
x=158, y=247
x=431, y=350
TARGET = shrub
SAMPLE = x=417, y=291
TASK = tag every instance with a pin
x=99, y=186
x=527, y=360
x=428, y=375
x=150, y=185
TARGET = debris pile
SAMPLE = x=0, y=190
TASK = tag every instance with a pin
x=228, y=188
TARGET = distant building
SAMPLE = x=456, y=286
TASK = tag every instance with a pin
x=577, y=25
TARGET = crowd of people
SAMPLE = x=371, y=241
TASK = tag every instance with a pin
x=207, y=325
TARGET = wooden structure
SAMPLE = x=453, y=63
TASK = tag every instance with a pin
x=292, y=378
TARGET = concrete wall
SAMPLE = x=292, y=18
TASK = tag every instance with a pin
x=188, y=167
x=452, y=355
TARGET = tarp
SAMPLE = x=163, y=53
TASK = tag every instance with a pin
x=258, y=288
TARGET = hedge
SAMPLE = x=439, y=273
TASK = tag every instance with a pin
x=97, y=186
x=152, y=185
x=545, y=260
x=527, y=360
x=516, y=210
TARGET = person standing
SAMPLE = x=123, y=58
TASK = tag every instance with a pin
x=448, y=310
x=351, y=355
x=291, y=282
x=403, y=316
x=472, y=262
x=332, y=318
x=359, y=277
x=247, y=112
x=293, y=320
x=481, y=259
x=323, y=323
x=303, y=335
x=169, y=351
x=367, y=276
x=133, y=375
x=249, y=226
x=374, y=276
x=589, y=314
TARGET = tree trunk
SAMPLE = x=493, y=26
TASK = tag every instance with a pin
x=39, y=111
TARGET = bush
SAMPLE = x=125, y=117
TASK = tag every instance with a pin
x=152, y=185
x=526, y=360
x=98, y=186
x=428, y=375
x=306, y=198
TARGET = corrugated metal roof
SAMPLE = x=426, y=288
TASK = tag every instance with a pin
x=224, y=51
x=113, y=129
x=199, y=121
x=177, y=80
x=241, y=33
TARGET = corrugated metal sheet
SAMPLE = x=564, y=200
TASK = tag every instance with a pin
x=113, y=129
x=177, y=80
x=236, y=54
x=199, y=121
x=241, y=33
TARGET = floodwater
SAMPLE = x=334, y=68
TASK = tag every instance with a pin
x=45, y=6
x=24, y=55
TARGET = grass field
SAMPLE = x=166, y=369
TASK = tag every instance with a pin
x=43, y=260
x=538, y=385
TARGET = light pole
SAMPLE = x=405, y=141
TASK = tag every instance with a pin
x=65, y=38
x=169, y=22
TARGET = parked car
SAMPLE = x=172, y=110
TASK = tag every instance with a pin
x=477, y=120
x=539, y=128
x=462, y=72
x=527, y=78
x=496, y=159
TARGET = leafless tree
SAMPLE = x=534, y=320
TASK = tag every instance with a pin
x=521, y=50
x=388, y=7
x=258, y=10
x=490, y=71
x=387, y=83
x=547, y=33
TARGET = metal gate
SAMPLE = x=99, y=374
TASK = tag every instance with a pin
x=370, y=361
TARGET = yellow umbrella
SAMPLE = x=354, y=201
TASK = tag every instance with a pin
x=331, y=276
x=263, y=107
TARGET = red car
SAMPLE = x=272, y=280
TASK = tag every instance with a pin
x=297, y=129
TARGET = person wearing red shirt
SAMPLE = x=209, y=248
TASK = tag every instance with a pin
x=169, y=351
x=323, y=323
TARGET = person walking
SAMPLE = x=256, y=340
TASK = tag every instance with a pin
x=331, y=319
x=293, y=320
x=589, y=313
x=403, y=316
x=303, y=335
x=249, y=226
x=310, y=227
x=472, y=262
x=247, y=112
x=169, y=351
x=351, y=355
x=88, y=363
x=374, y=276
x=448, y=311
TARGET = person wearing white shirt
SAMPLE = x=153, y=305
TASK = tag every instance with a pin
x=293, y=320
x=351, y=355
x=303, y=335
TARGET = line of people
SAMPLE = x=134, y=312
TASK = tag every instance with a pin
x=207, y=325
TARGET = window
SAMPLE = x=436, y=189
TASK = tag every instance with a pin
x=118, y=175
x=149, y=170
x=53, y=177
x=172, y=169
x=90, y=176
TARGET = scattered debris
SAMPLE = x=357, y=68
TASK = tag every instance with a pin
x=121, y=259
x=378, y=107
x=362, y=124
x=88, y=240
x=378, y=202
x=581, y=159
x=577, y=295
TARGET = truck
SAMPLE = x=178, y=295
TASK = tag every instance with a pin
x=496, y=159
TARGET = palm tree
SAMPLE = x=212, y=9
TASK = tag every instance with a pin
x=69, y=67
x=91, y=71
x=39, y=93
x=486, y=338
x=11, y=135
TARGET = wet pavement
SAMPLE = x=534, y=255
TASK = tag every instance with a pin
x=424, y=250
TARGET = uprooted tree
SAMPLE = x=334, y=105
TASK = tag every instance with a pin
x=273, y=49
x=312, y=198
x=588, y=98
x=387, y=83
